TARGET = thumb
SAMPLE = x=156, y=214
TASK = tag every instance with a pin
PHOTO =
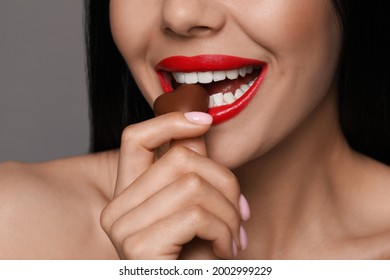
x=197, y=144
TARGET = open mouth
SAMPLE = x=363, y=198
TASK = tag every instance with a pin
x=230, y=89
x=224, y=87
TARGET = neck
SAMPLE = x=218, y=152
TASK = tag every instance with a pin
x=297, y=181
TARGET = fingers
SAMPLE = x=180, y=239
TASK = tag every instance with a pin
x=140, y=140
x=155, y=197
x=161, y=205
x=195, y=144
x=189, y=191
x=178, y=162
x=165, y=238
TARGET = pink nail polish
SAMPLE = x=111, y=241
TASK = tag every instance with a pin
x=199, y=117
x=243, y=238
x=244, y=208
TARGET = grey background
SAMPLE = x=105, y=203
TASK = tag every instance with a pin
x=43, y=99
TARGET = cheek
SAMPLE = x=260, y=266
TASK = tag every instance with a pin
x=299, y=25
x=302, y=40
x=131, y=22
x=305, y=46
x=133, y=26
x=288, y=28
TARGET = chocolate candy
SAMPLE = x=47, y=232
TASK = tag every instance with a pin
x=185, y=98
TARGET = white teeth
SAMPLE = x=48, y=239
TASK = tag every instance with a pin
x=210, y=76
x=244, y=87
x=232, y=74
x=191, y=78
x=229, y=98
x=239, y=92
x=211, y=102
x=219, y=76
x=242, y=72
x=179, y=77
x=205, y=77
x=219, y=99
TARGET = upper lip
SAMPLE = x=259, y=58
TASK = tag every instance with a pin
x=205, y=63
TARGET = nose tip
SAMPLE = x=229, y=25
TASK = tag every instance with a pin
x=190, y=18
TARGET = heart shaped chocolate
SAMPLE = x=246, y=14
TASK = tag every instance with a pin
x=185, y=98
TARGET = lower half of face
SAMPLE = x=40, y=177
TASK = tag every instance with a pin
x=289, y=50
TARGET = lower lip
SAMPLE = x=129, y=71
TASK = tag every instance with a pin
x=224, y=113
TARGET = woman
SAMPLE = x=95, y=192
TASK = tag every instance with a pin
x=297, y=171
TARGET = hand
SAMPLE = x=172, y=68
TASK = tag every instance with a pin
x=161, y=205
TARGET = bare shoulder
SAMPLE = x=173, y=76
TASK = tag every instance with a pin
x=47, y=209
x=375, y=193
x=378, y=204
x=380, y=187
x=370, y=216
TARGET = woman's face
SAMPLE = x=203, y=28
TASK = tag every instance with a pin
x=290, y=48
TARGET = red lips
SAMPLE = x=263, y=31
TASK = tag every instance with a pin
x=204, y=63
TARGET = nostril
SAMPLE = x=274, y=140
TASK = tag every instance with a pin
x=199, y=30
x=192, y=31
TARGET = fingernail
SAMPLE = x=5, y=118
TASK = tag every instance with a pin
x=244, y=208
x=243, y=238
x=199, y=117
x=235, y=250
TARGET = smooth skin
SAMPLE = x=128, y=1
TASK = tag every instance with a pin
x=310, y=195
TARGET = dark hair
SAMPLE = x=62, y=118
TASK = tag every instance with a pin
x=364, y=101
x=114, y=98
x=364, y=92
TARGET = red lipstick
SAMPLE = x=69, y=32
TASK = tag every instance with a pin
x=203, y=63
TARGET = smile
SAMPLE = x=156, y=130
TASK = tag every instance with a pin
x=230, y=81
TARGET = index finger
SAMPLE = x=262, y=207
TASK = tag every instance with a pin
x=140, y=140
